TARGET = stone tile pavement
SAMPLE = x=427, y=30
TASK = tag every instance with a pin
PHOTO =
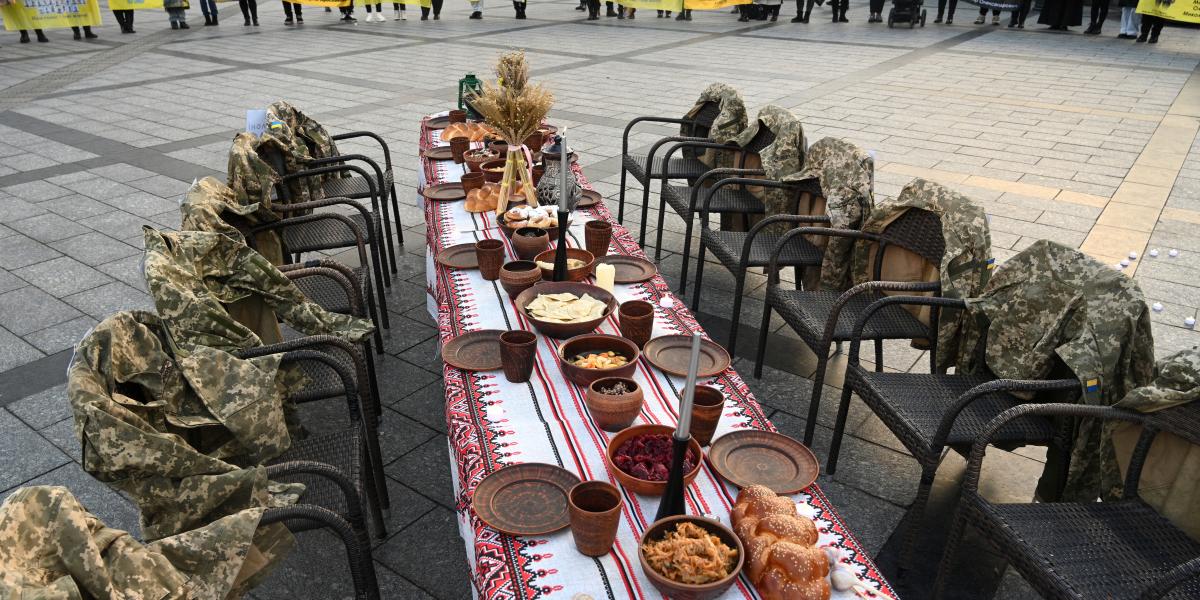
x=1088, y=141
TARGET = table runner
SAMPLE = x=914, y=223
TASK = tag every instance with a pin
x=493, y=423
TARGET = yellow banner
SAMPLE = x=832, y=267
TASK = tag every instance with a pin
x=326, y=3
x=134, y=4
x=49, y=14
x=387, y=4
x=712, y=4
x=672, y=5
x=1184, y=11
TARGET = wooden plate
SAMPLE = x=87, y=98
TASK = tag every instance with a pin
x=630, y=269
x=754, y=457
x=441, y=122
x=525, y=499
x=444, y=192
x=461, y=256
x=671, y=353
x=475, y=350
x=439, y=153
x=590, y=198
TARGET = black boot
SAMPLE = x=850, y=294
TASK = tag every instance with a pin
x=208, y=20
x=183, y=25
x=87, y=33
x=24, y=37
x=174, y=25
x=41, y=36
x=78, y=36
x=215, y=19
x=608, y=10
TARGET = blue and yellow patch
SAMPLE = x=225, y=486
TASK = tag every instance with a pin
x=1093, y=385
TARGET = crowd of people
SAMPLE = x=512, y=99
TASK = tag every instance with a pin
x=1059, y=15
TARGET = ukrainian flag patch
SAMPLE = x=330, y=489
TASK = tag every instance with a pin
x=1093, y=385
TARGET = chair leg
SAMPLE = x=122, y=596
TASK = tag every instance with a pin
x=762, y=337
x=386, y=227
x=839, y=428
x=373, y=313
x=879, y=356
x=662, y=215
x=951, y=552
x=918, y=516
x=373, y=282
x=399, y=224
x=380, y=252
x=814, y=403
x=699, y=277
x=735, y=320
x=621, y=198
x=687, y=252
x=645, y=212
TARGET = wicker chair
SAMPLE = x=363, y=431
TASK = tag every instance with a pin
x=1122, y=549
x=823, y=317
x=304, y=517
x=651, y=166
x=931, y=412
x=337, y=288
x=728, y=199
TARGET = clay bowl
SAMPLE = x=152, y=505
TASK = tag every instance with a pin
x=565, y=330
x=684, y=591
x=528, y=242
x=474, y=163
x=614, y=412
x=643, y=486
x=497, y=145
x=503, y=223
x=518, y=275
x=576, y=274
x=493, y=170
x=595, y=343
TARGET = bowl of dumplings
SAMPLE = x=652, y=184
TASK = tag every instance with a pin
x=523, y=215
x=579, y=263
x=565, y=309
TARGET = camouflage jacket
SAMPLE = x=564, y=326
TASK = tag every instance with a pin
x=845, y=173
x=781, y=158
x=1051, y=303
x=179, y=435
x=318, y=141
x=198, y=278
x=1176, y=381
x=730, y=122
x=966, y=261
x=213, y=206
x=52, y=548
x=252, y=176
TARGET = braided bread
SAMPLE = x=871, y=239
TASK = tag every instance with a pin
x=782, y=559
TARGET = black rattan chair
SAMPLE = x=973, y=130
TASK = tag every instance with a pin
x=931, y=412
x=824, y=317
x=650, y=167
x=1121, y=549
x=303, y=517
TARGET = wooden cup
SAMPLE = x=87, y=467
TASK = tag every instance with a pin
x=518, y=350
x=528, y=242
x=490, y=254
x=536, y=173
x=458, y=116
x=596, y=236
x=471, y=181
x=636, y=319
x=459, y=145
x=595, y=512
x=707, y=406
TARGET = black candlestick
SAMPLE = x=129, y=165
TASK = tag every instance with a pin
x=672, y=500
x=560, y=253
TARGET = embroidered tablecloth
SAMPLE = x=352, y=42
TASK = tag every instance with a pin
x=493, y=424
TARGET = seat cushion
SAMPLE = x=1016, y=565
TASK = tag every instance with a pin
x=352, y=187
x=727, y=199
x=1093, y=549
x=727, y=246
x=678, y=168
x=328, y=293
x=325, y=234
x=807, y=313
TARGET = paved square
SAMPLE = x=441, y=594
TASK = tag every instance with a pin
x=1089, y=141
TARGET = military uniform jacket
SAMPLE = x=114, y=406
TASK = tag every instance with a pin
x=316, y=138
x=781, y=158
x=52, y=548
x=1052, y=303
x=252, y=176
x=730, y=122
x=212, y=206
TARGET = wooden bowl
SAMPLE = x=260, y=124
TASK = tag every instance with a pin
x=503, y=223
x=519, y=275
x=473, y=164
x=576, y=274
x=493, y=170
x=596, y=342
x=686, y=591
x=565, y=330
x=614, y=412
x=644, y=486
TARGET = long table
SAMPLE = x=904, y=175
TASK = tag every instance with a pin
x=493, y=424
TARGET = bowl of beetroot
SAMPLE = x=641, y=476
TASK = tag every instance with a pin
x=640, y=457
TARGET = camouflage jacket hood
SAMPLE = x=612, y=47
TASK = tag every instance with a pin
x=195, y=277
x=253, y=178
x=1176, y=381
x=845, y=173
x=212, y=206
x=317, y=140
x=1051, y=302
x=52, y=548
x=181, y=436
x=779, y=159
x=731, y=119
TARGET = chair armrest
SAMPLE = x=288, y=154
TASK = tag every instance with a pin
x=323, y=517
x=359, y=236
x=999, y=385
x=387, y=153
x=316, y=269
x=664, y=141
x=1177, y=575
x=337, y=160
x=713, y=173
x=758, y=227
x=768, y=183
x=629, y=127
x=326, y=471
x=772, y=274
x=338, y=169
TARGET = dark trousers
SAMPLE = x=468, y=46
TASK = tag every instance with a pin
x=208, y=8
x=289, y=7
x=983, y=11
x=1018, y=16
x=378, y=7
x=942, y=8
x=397, y=6
x=437, y=8
x=876, y=7
x=1152, y=25
x=1099, y=11
x=249, y=9
x=124, y=19
x=593, y=7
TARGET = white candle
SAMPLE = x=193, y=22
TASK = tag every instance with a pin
x=684, y=430
x=562, y=165
x=606, y=274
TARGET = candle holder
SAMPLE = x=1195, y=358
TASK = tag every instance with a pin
x=560, y=251
x=672, y=501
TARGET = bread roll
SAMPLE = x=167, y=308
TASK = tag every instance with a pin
x=782, y=559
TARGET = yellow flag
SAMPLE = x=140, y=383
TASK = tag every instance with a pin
x=712, y=4
x=49, y=14
x=387, y=4
x=672, y=5
x=325, y=3
x=1184, y=11
x=134, y=4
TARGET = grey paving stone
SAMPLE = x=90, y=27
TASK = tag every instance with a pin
x=117, y=224
x=109, y=298
x=424, y=355
x=76, y=207
x=144, y=204
x=398, y=378
x=94, y=248
x=109, y=506
x=62, y=336
x=427, y=470
x=399, y=434
x=43, y=409
x=431, y=554
x=30, y=309
x=426, y=406
x=13, y=208
x=407, y=507
x=162, y=186
x=872, y=520
x=26, y=454
x=62, y=435
x=404, y=334
x=17, y=251
x=127, y=269
x=48, y=227
x=101, y=188
x=15, y=352
x=36, y=191
x=9, y=282
x=122, y=172
x=316, y=568
x=62, y=276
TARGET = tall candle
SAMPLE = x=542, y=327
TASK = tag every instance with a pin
x=684, y=430
x=606, y=274
x=562, y=167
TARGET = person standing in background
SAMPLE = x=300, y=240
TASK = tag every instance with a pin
x=398, y=9
x=769, y=10
x=1018, y=16
x=876, y=12
x=519, y=7
x=1131, y=20
x=996, y=6
x=176, y=13
x=802, y=11
x=288, y=9
x=87, y=32
x=209, y=8
x=377, y=16
x=1151, y=26
x=1061, y=14
x=839, y=10
x=437, y=11
x=476, y=10
x=249, y=11
x=942, y=11
x=1099, y=16
x=124, y=19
